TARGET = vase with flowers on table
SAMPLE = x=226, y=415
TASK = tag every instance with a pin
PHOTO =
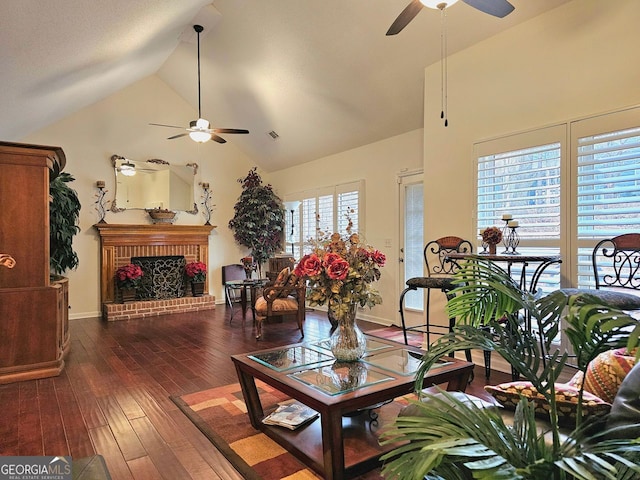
x=491, y=237
x=128, y=278
x=340, y=271
x=197, y=273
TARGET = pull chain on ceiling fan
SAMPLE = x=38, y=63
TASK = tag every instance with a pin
x=497, y=8
x=199, y=130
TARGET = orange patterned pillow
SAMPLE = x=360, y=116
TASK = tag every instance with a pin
x=607, y=371
x=509, y=394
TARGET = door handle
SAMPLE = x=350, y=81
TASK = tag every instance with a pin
x=7, y=260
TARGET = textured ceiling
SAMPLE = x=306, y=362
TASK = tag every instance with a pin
x=322, y=74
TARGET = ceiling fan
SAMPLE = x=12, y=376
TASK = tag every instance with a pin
x=497, y=8
x=199, y=130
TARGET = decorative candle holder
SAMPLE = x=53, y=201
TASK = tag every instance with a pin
x=100, y=201
x=505, y=234
x=483, y=244
x=513, y=240
x=206, y=202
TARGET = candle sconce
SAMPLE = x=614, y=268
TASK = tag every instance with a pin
x=100, y=202
x=206, y=202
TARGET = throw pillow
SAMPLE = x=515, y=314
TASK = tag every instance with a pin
x=509, y=394
x=282, y=278
x=605, y=373
x=624, y=419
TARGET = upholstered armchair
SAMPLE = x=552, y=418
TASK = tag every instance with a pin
x=284, y=297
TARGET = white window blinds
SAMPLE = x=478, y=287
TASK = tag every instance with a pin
x=608, y=196
x=326, y=210
x=525, y=183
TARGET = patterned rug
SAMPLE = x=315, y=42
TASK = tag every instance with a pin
x=221, y=415
x=395, y=334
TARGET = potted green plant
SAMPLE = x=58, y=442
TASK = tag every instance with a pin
x=64, y=213
x=473, y=442
x=258, y=221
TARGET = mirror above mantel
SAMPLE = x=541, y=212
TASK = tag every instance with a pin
x=154, y=184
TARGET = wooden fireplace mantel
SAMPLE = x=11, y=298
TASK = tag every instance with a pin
x=118, y=243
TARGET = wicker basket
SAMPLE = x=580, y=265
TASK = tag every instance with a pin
x=162, y=216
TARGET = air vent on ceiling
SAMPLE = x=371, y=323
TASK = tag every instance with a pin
x=273, y=135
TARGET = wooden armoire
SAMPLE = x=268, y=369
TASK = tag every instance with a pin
x=34, y=327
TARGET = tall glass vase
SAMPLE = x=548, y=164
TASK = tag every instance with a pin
x=347, y=342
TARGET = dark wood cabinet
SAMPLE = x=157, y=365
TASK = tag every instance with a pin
x=34, y=326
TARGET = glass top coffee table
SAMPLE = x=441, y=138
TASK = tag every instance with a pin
x=339, y=444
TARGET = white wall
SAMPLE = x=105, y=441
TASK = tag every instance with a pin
x=378, y=163
x=119, y=125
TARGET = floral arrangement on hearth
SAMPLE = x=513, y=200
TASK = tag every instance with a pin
x=128, y=276
x=341, y=270
x=196, y=271
x=492, y=235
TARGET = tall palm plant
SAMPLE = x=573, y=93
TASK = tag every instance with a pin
x=471, y=442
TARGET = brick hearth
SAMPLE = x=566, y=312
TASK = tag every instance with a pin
x=153, y=308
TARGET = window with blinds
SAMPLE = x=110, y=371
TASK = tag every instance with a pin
x=608, y=192
x=520, y=175
x=324, y=211
x=524, y=183
x=608, y=196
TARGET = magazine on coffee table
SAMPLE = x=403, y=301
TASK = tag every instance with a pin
x=290, y=415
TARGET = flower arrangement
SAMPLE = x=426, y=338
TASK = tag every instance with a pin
x=196, y=271
x=492, y=235
x=341, y=270
x=128, y=276
x=249, y=266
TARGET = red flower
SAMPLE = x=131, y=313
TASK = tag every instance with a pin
x=196, y=271
x=338, y=269
x=378, y=257
x=308, y=266
x=128, y=275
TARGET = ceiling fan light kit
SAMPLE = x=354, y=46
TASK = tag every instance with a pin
x=199, y=130
x=437, y=4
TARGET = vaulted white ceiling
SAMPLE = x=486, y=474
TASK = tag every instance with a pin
x=322, y=74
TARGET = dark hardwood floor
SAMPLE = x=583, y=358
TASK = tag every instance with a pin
x=113, y=396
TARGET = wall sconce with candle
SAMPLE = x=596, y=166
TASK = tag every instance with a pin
x=206, y=202
x=100, y=201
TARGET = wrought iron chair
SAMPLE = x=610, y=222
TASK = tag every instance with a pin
x=616, y=262
x=616, y=270
x=439, y=274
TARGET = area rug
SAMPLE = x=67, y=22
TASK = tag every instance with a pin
x=221, y=415
x=395, y=334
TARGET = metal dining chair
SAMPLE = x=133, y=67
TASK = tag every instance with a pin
x=439, y=277
x=616, y=271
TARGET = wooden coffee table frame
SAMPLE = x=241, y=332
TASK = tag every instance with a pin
x=332, y=448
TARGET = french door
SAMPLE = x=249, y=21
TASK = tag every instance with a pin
x=411, y=193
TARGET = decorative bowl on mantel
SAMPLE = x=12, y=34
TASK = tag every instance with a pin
x=159, y=215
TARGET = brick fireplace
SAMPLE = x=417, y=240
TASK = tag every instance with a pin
x=119, y=243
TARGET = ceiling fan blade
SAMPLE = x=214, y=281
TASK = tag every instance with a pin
x=405, y=17
x=218, y=139
x=230, y=130
x=178, y=136
x=497, y=8
x=163, y=125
